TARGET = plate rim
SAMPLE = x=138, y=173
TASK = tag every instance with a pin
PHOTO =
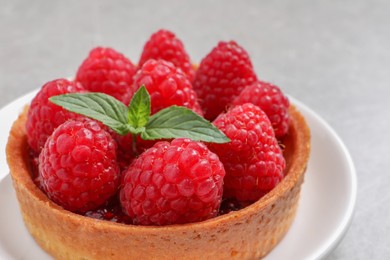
x=343, y=225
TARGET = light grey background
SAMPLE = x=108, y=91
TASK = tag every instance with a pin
x=334, y=56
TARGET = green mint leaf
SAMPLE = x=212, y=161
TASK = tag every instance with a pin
x=139, y=108
x=176, y=122
x=98, y=106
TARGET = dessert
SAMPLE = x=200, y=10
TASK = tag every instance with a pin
x=246, y=225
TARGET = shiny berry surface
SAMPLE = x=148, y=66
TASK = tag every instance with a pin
x=167, y=86
x=164, y=45
x=44, y=116
x=253, y=160
x=221, y=76
x=173, y=183
x=78, y=167
x=271, y=100
x=108, y=71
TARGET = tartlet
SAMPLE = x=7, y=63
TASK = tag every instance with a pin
x=249, y=233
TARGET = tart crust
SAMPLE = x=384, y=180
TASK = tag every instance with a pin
x=249, y=233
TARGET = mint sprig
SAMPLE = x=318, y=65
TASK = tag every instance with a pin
x=168, y=123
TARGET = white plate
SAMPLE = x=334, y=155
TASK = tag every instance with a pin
x=325, y=210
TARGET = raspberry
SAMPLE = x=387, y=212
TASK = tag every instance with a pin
x=221, y=76
x=167, y=86
x=78, y=166
x=271, y=100
x=166, y=46
x=44, y=116
x=108, y=71
x=253, y=160
x=172, y=183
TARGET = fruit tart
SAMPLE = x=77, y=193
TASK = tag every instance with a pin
x=143, y=173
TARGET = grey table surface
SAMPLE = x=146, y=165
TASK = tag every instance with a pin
x=334, y=56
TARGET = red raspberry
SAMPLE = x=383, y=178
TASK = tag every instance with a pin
x=167, y=86
x=166, y=46
x=271, y=100
x=78, y=166
x=173, y=183
x=253, y=160
x=108, y=71
x=44, y=116
x=221, y=76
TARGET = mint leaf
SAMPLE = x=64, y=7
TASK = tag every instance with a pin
x=172, y=122
x=139, y=108
x=99, y=106
x=175, y=122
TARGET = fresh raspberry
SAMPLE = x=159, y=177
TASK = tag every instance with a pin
x=78, y=166
x=108, y=71
x=253, y=160
x=44, y=116
x=221, y=76
x=271, y=100
x=166, y=46
x=167, y=86
x=173, y=183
